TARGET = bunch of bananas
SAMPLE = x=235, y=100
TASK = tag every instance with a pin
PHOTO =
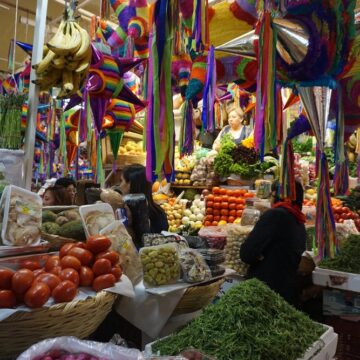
x=66, y=59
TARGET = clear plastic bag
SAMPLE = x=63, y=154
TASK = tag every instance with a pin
x=194, y=267
x=12, y=162
x=123, y=244
x=213, y=256
x=215, y=236
x=250, y=216
x=263, y=188
x=21, y=222
x=159, y=239
x=73, y=345
x=161, y=265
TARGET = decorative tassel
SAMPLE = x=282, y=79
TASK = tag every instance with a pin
x=115, y=136
x=287, y=174
x=63, y=144
x=100, y=177
x=186, y=141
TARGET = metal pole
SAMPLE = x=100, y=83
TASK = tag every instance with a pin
x=37, y=54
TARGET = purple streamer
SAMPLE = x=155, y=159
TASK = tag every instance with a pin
x=299, y=126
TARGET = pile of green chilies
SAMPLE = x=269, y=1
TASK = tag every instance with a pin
x=249, y=322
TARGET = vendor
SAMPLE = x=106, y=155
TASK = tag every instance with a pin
x=274, y=247
x=236, y=128
x=56, y=196
x=69, y=184
x=133, y=181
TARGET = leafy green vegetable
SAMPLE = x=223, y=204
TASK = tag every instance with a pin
x=249, y=322
x=302, y=147
x=353, y=200
x=348, y=259
x=353, y=168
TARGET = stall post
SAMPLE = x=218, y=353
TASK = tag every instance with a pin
x=37, y=54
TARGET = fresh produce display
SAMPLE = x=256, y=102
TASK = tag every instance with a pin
x=160, y=265
x=236, y=235
x=342, y=213
x=175, y=214
x=66, y=58
x=200, y=173
x=233, y=328
x=131, y=148
x=182, y=178
x=353, y=200
x=193, y=266
x=10, y=120
x=158, y=239
x=78, y=264
x=225, y=206
x=194, y=216
x=65, y=223
x=348, y=259
x=185, y=164
x=20, y=217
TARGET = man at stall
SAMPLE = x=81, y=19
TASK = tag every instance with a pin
x=274, y=247
x=69, y=184
x=236, y=128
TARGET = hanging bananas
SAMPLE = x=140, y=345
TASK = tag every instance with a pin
x=66, y=59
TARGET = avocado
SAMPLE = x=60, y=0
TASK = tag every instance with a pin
x=48, y=216
x=50, y=228
x=72, y=229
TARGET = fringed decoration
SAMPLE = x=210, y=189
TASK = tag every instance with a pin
x=325, y=224
x=160, y=119
x=115, y=136
x=287, y=174
x=186, y=141
x=63, y=145
x=100, y=177
x=265, y=123
x=207, y=115
x=341, y=176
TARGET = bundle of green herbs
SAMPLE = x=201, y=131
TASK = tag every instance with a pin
x=249, y=322
x=10, y=120
x=348, y=259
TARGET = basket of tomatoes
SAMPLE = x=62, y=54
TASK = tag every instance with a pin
x=48, y=295
x=225, y=206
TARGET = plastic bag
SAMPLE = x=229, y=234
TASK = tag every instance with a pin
x=236, y=236
x=263, y=188
x=215, y=236
x=75, y=346
x=159, y=239
x=140, y=216
x=250, y=217
x=194, y=267
x=212, y=256
x=21, y=223
x=123, y=244
x=160, y=264
x=196, y=242
x=12, y=162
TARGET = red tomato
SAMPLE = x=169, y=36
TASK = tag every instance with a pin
x=51, y=262
x=214, y=223
x=117, y=272
x=37, y=295
x=224, y=212
x=209, y=218
x=101, y=267
x=224, y=198
x=230, y=192
x=51, y=280
x=86, y=276
x=98, y=244
x=336, y=217
x=216, y=212
x=224, y=218
x=71, y=275
x=38, y=272
x=210, y=197
x=64, y=292
x=85, y=256
x=231, y=219
x=209, y=211
x=210, y=204
x=239, y=213
x=240, y=201
x=232, y=200
x=239, y=207
x=217, y=205
x=111, y=255
x=31, y=265
x=232, y=213
x=7, y=299
x=341, y=220
x=65, y=249
x=216, y=190
x=216, y=218
x=82, y=245
x=249, y=195
x=56, y=270
x=22, y=280
x=217, y=199
x=224, y=205
x=223, y=191
x=104, y=281
x=237, y=193
x=5, y=279
x=232, y=206
x=69, y=261
x=207, y=223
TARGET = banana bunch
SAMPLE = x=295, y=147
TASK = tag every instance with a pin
x=66, y=59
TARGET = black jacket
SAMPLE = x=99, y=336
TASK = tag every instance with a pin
x=273, y=250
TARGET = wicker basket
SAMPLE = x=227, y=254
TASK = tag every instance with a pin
x=56, y=241
x=197, y=297
x=77, y=318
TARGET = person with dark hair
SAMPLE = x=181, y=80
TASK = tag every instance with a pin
x=70, y=185
x=274, y=247
x=55, y=196
x=133, y=181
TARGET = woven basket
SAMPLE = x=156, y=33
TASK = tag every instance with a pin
x=197, y=297
x=56, y=241
x=77, y=318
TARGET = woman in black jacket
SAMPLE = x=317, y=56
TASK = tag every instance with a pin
x=274, y=247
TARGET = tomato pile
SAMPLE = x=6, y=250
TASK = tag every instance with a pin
x=342, y=213
x=225, y=206
x=81, y=264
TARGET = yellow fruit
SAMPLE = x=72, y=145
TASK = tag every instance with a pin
x=237, y=221
x=222, y=222
x=155, y=187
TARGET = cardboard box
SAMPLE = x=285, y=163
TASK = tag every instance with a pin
x=341, y=303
